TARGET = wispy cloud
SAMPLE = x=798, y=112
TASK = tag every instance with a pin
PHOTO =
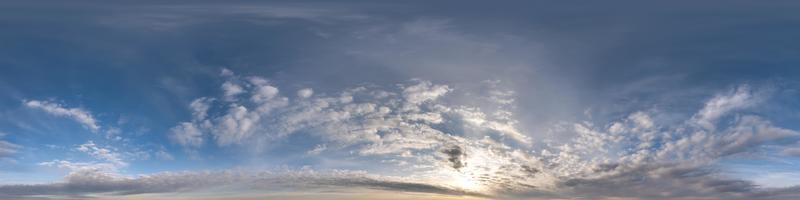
x=101, y=153
x=81, y=116
x=6, y=148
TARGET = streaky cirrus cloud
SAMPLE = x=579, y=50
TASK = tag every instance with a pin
x=81, y=116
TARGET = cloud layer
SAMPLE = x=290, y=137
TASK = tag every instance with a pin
x=447, y=145
x=94, y=182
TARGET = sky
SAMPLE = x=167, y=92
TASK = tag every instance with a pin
x=399, y=100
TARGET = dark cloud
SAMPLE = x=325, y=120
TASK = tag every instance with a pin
x=530, y=170
x=455, y=155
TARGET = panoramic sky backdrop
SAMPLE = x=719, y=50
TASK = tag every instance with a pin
x=399, y=100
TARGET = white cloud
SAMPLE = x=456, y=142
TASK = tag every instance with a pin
x=7, y=148
x=113, y=133
x=82, y=167
x=100, y=153
x=238, y=124
x=424, y=91
x=305, y=92
x=83, y=117
x=231, y=90
x=642, y=120
x=318, y=149
x=225, y=72
x=638, y=161
x=186, y=134
x=738, y=98
x=372, y=122
x=107, y=163
x=200, y=107
x=498, y=94
x=262, y=92
x=164, y=155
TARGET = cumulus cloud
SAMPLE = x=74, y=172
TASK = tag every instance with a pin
x=82, y=167
x=738, y=98
x=106, y=161
x=231, y=90
x=480, y=149
x=407, y=124
x=101, y=153
x=200, y=107
x=186, y=134
x=81, y=116
x=450, y=148
x=305, y=92
x=424, y=91
x=408, y=119
x=637, y=157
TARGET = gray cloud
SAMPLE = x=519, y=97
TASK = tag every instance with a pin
x=95, y=182
x=455, y=155
x=667, y=181
x=793, y=151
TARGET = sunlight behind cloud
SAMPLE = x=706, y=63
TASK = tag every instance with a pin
x=399, y=100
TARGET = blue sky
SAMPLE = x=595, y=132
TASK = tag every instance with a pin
x=399, y=100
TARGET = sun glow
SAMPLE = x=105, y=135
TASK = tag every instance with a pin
x=468, y=183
